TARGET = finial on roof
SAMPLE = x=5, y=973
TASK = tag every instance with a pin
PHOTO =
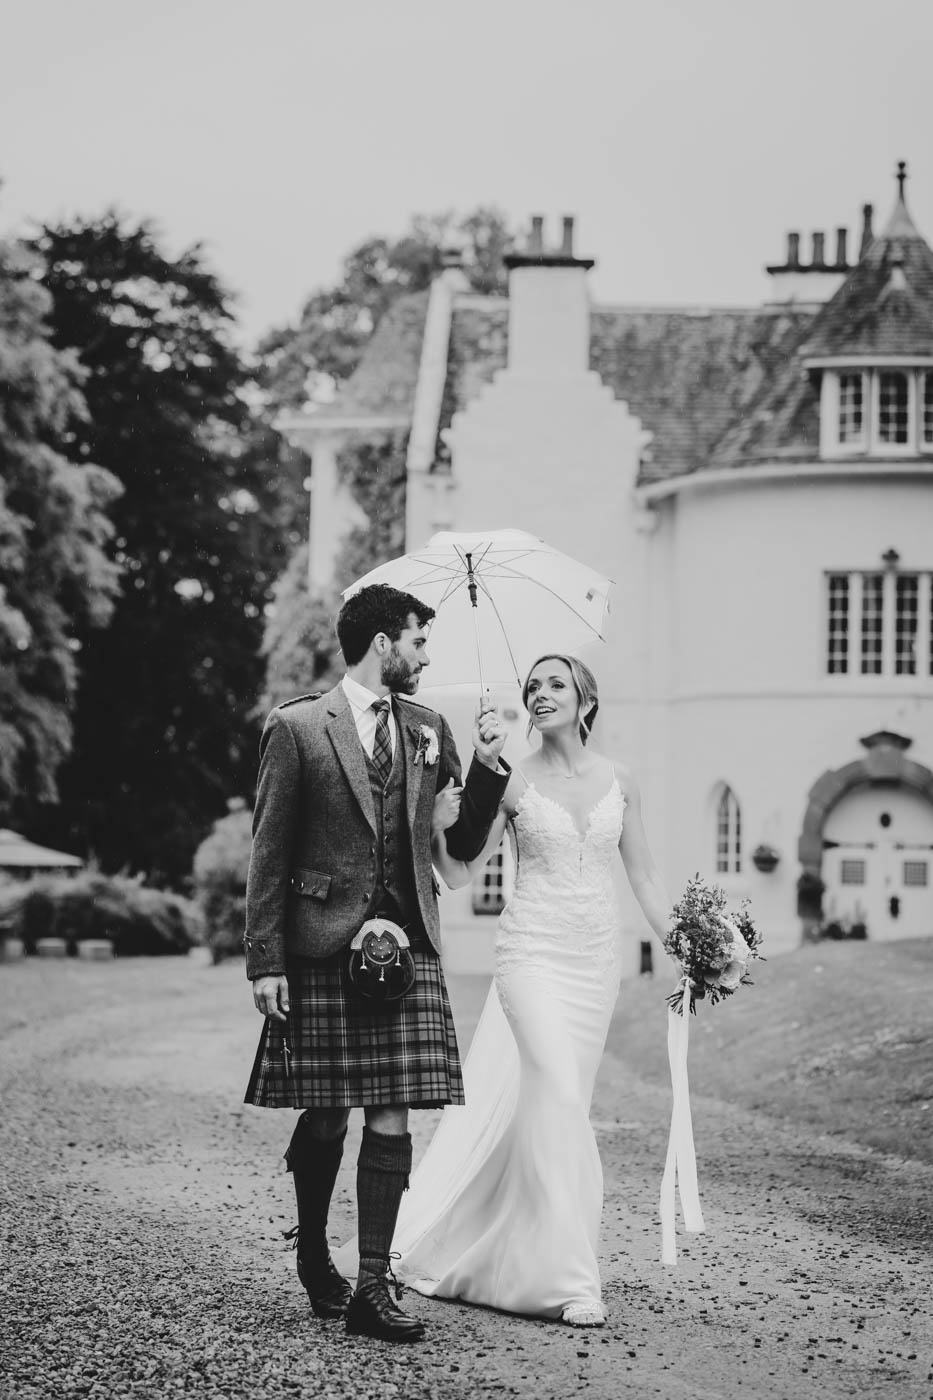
x=900, y=224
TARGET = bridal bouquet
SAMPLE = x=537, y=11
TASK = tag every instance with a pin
x=713, y=946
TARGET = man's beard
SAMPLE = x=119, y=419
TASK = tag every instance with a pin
x=398, y=674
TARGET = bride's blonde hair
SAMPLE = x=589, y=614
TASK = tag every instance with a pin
x=584, y=683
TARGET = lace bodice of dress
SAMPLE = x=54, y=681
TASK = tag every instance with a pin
x=564, y=893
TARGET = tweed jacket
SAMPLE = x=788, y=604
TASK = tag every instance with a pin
x=312, y=867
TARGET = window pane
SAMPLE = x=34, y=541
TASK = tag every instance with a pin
x=489, y=884
x=892, y=406
x=837, y=652
x=915, y=872
x=853, y=872
x=850, y=408
x=872, y=604
x=928, y=408
x=905, y=628
x=728, y=834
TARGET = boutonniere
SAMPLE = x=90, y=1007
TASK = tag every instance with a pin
x=428, y=747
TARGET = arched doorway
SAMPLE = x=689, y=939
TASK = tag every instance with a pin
x=867, y=840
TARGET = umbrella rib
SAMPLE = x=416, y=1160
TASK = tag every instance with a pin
x=536, y=583
x=456, y=581
x=505, y=635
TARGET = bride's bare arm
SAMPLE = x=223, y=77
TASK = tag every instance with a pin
x=643, y=875
x=457, y=873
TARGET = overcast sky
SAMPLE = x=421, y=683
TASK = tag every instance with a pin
x=687, y=136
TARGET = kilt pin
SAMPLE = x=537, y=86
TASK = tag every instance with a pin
x=338, y=839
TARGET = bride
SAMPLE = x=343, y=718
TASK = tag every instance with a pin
x=505, y=1206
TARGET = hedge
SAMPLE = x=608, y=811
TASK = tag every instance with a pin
x=138, y=920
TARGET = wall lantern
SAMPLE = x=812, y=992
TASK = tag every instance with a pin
x=765, y=858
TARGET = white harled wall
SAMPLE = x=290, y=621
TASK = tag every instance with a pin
x=548, y=448
x=750, y=701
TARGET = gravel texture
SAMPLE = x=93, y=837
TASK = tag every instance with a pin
x=142, y=1208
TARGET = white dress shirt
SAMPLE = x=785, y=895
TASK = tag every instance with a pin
x=361, y=705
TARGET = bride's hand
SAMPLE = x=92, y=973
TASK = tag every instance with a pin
x=446, y=808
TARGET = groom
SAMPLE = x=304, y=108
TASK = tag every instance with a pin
x=342, y=833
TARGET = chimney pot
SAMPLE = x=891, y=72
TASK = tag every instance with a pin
x=566, y=246
x=867, y=235
x=841, y=255
x=819, y=257
x=793, y=250
x=536, y=241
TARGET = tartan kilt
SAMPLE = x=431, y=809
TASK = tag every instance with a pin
x=345, y=1051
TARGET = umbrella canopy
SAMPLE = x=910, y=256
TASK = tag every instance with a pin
x=502, y=597
x=16, y=853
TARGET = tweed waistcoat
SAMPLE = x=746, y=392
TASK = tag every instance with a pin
x=395, y=894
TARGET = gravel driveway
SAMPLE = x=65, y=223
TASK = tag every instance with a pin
x=143, y=1207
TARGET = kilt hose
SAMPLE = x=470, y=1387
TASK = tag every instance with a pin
x=340, y=1050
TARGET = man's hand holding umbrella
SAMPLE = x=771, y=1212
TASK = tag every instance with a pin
x=488, y=734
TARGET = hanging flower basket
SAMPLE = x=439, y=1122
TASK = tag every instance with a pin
x=765, y=858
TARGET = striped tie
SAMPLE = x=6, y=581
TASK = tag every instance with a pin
x=382, y=748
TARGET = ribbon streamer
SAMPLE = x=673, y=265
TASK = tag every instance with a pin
x=680, y=1169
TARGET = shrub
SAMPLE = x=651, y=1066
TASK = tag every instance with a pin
x=220, y=866
x=844, y=928
x=138, y=920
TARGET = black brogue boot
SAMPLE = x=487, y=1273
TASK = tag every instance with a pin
x=381, y=1177
x=314, y=1164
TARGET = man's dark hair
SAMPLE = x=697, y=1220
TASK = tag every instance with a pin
x=376, y=608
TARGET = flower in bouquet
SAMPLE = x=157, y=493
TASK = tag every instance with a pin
x=713, y=945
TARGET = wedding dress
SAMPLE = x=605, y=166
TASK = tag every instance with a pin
x=504, y=1208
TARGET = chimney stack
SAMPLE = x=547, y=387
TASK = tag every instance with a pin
x=867, y=235
x=841, y=257
x=815, y=281
x=549, y=313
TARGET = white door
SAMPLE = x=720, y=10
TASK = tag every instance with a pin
x=878, y=862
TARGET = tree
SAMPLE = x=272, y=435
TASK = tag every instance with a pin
x=164, y=730
x=336, y=322
x=56, y=579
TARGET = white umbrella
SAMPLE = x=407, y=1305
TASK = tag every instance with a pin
x=523, y=597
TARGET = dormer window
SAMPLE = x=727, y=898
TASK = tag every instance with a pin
x=877, y=412
x=872, y=346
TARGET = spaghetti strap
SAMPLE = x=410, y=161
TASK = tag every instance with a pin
x=517, y=768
